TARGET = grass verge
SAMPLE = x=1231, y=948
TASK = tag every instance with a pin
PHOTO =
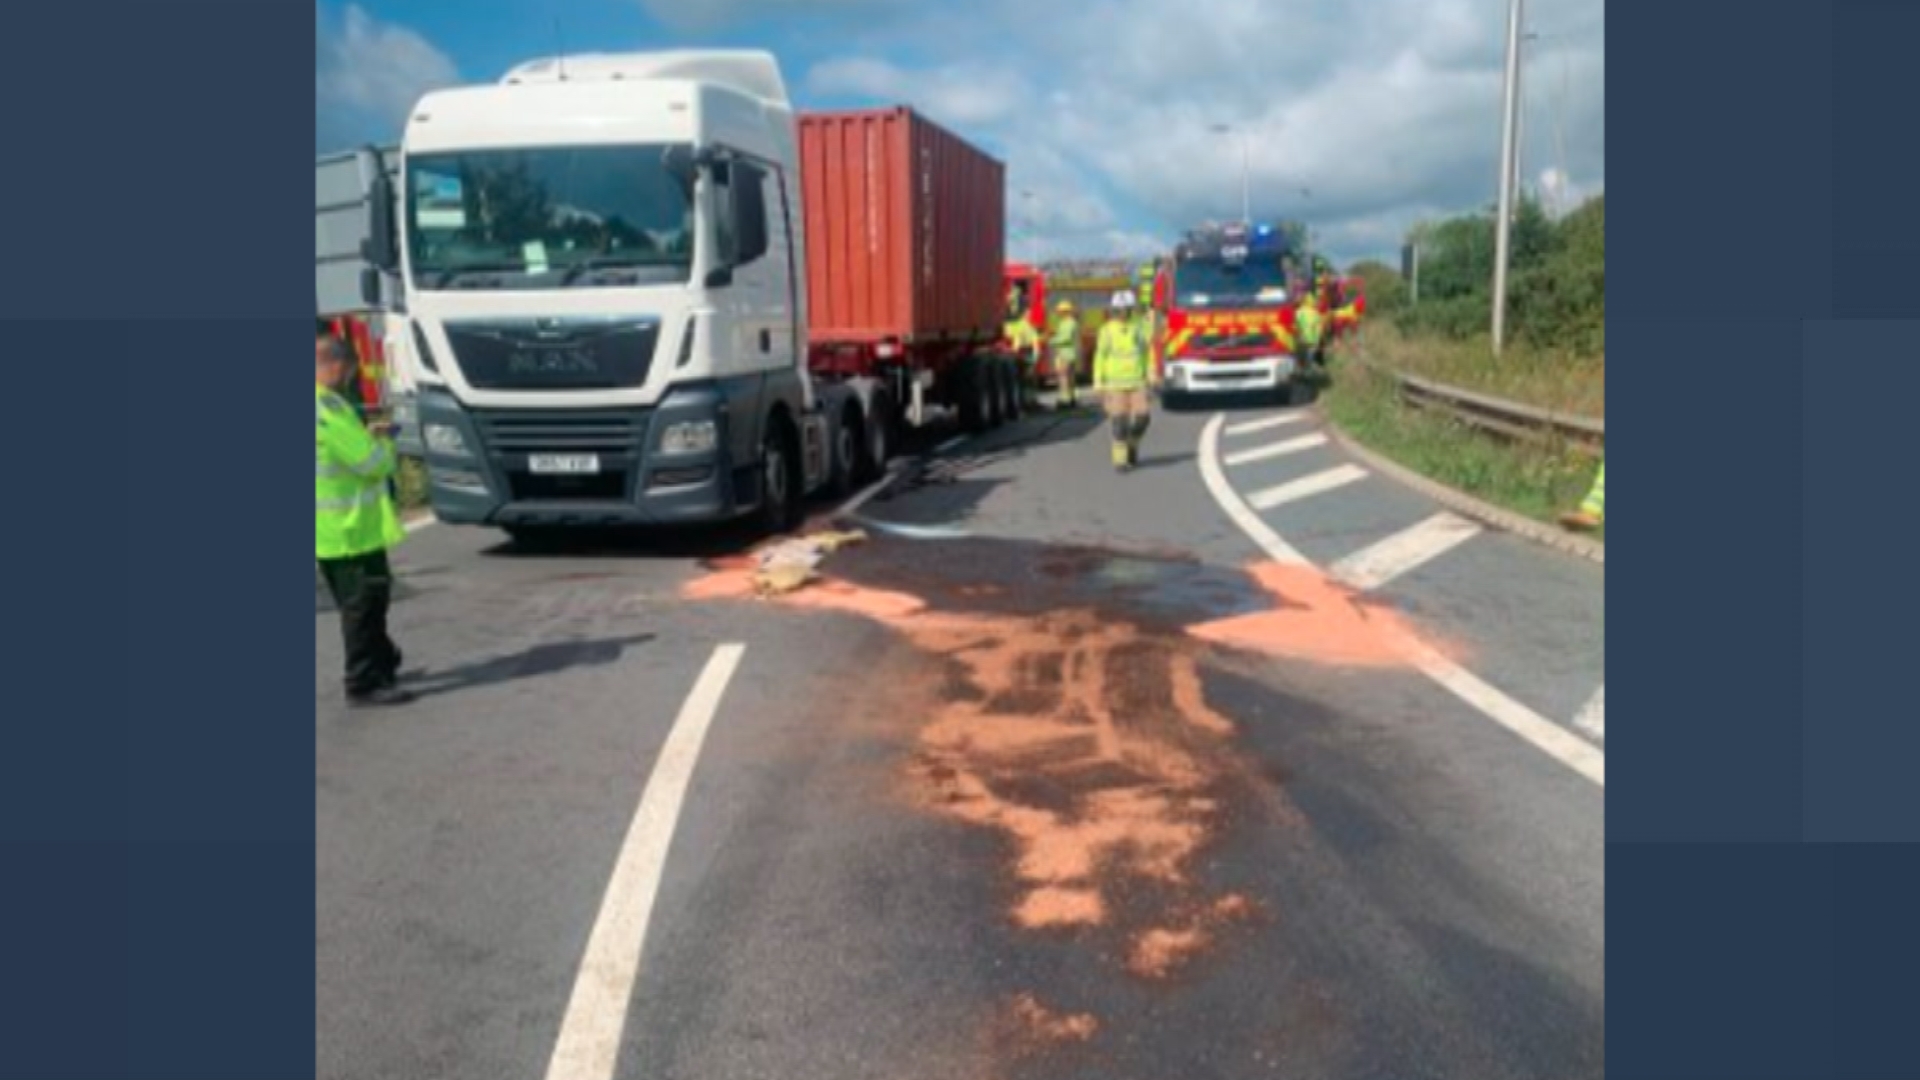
x=1563, y=382
x=1540, y=482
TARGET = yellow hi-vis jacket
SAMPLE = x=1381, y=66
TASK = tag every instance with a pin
x=1065, y=342
x=352, y=510
x=1120, y=358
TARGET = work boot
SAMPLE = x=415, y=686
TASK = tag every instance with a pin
x=379, y=696
x=1122, y=457
x=1580, y=521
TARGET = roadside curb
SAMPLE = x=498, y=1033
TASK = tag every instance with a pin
x=1463, y=503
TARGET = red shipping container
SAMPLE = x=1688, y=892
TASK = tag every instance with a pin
x=906, y=230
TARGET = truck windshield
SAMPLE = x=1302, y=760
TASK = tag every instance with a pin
x=1203, y=283
x=547, y=218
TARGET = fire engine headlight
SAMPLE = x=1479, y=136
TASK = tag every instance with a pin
x=445, y=441
x=691, y=437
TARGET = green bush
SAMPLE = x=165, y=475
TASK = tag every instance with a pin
x=1557, y=280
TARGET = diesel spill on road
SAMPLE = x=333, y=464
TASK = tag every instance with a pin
x=1060, y=702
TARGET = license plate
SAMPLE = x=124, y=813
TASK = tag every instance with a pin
x=564, y=464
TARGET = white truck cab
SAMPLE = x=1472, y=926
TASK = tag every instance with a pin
x=601, y=265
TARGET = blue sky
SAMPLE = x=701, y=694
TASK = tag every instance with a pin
x=1360, y=118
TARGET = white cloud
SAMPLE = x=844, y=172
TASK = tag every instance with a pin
x=707, y=14
x=1387, y=113
x=959, y=95
x=367, y=75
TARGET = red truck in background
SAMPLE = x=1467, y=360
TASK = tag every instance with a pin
x=906, y=241
x=1026, y=301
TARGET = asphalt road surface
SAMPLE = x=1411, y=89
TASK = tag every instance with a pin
x=1063, y=773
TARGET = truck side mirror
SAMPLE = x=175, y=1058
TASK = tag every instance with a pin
x=370, y=290
x=379, y=248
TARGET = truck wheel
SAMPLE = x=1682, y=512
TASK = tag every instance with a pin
x=843, y=470
x=779, y=480
x=976, y=395
x=878, y=435
x=994, y=375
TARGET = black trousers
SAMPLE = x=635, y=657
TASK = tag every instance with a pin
x=362, y=588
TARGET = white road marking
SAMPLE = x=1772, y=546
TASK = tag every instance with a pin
x=951, y=443
x=1593, y=715
x=416, y=524
x=1268, y=540
x=1274, y=450
x=589, y=1043
x=1550, y=738
x=860, y=497
x=1307, y=486
x=1405, y=550
x=1268, y=424
x=1555, y=741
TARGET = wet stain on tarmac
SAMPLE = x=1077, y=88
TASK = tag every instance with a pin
x=1062, y=705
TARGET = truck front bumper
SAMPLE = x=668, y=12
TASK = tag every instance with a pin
x=1229, y=376
x=480, y=464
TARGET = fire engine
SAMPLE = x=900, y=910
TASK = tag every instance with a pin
x=1229, y=312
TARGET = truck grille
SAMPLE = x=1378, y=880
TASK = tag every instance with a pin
x=554, y=354
x=524, y=431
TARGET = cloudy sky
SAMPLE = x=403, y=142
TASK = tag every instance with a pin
x=1359, y=116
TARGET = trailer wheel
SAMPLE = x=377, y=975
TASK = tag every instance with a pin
x=977, y=395
x=780, y=479
x=878, y=436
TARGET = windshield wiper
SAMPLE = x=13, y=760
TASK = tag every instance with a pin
x=455, y=273
x=604, y=262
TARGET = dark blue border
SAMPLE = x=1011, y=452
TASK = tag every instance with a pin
x=156, y=797
x=156, y=811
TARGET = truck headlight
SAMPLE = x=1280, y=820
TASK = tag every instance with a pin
x=690, y=437
x=444, y=440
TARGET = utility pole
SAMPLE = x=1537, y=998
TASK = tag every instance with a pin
x=1509, y=147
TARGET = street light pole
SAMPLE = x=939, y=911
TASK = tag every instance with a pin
x=1246, y=181
x=1033, y=228
x=1509, y=145
x=1246, y=170
x=1520, y=120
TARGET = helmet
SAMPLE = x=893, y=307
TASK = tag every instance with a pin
x=1121, y=301
x=1064, y=305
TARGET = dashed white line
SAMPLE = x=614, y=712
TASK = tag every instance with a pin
x=1374, y=566
x=1279, y=449
x=1307, y=486
x=1550, y=738
x=1593, y=715
x=1269, y=541
x=589, y=1043
x=1271, y=422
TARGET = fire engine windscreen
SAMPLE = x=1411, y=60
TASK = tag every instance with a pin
x=548, y=218
x=1213, y=282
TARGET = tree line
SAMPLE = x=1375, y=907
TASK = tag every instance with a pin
x=1556, y=279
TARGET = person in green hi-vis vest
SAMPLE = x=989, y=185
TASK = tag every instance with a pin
x=354, y=523
x=1593, y=509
